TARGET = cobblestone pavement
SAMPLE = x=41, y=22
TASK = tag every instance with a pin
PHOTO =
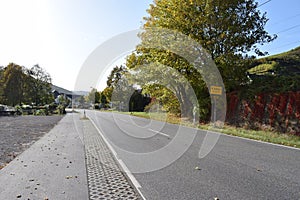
x=106, y=180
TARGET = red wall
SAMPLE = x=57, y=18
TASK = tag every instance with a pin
x=279, y=112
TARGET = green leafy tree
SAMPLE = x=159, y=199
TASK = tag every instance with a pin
x=1, y=84
x=12, y=84
x=138, y=101
x=81, y=100
x=39, y=85
x=1, y=72
x=63, y=100
x=163, y=96
x=115, y=75
x=228, y=30
x=97, y=97
x=118, y=88
x=103, y=98
x=93, y=96
x=107, y=92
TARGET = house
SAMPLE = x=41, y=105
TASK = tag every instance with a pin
x=71, y=95
x=57, y=91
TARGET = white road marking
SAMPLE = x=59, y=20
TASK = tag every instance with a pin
x=123, y=120
x=121, y=163
x=258, y=141
x=131, y=177
x=158, y=132
x=233, y=136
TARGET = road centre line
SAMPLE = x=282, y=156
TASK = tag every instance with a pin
x=123, y=120
x=158, y=132
x=237, y=137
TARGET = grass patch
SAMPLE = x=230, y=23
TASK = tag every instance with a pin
x=266, y=136
x=263, y=68
x=157, y=116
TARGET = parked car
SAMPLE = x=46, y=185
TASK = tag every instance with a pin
x=7, y=110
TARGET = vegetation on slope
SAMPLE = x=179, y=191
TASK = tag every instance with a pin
x=276, y=74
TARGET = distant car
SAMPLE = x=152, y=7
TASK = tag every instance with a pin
x=7, y=110
x=3, y=107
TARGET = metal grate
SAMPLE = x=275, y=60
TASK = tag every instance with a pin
x=105, y=178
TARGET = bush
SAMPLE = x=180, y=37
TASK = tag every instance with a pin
x=61, y=110
x=41, y=112
x=52, y=108
x=97, y=106
x=27, y=110
x=19, y=110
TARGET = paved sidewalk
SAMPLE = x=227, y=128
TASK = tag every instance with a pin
x=52, y=168
x=72, y=161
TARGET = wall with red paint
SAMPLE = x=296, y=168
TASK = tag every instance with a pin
x=280, y=112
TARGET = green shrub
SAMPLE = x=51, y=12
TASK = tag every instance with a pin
x=60, y=109
x=41, y=112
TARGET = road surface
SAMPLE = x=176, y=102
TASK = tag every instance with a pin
x=164, y=159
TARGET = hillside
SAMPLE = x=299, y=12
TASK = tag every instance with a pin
x=276, y=73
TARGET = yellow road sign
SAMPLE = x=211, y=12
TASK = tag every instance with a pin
x=216, y=90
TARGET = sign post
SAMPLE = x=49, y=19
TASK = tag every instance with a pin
x=215, y=91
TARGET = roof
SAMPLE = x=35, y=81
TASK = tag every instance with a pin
x=61, y=90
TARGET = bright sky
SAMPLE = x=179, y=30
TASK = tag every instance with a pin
x=60, y=34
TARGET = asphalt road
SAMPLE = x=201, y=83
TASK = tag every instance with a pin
x=164, y=159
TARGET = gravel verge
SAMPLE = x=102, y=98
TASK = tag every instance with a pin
x=19, y=133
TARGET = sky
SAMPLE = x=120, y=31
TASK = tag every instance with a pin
x=59, y=35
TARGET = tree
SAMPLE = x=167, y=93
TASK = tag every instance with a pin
x=93, y=96
x=228, y=30
x=39, y=85
x=20, y=85
x=118, y=88
x=103, y=98
x=107, y=92
x=63, y=100
x=1, y=84
x=115, y=75
x=12, y=84
x=164, y=97
x=81, y=100
x=1, y=72
x=138, y=101
x=97, y=97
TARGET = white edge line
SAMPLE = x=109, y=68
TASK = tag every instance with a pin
x=258, y=141
x=121, y=163
x=166, y=135
x=238, y=137
x=135, y=182
x=234, y=136
x=249, y=139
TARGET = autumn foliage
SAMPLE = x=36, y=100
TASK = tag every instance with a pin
x=279, y=112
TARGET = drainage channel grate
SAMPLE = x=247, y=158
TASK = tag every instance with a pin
x=105, y=178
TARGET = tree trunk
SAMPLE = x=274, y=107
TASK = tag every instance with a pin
x=185, y=104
